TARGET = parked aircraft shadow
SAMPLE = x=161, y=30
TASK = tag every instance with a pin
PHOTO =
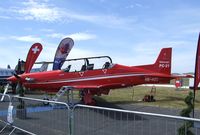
x=116, y=115
x=103, y=103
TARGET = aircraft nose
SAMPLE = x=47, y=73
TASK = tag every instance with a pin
x=13, y=79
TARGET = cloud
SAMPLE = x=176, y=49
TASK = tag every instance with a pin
x=2, y=38
x=182, y=21
x=4, y=17
x=149, y=46
x=111, y=21
x=75, y=36
x=39, y=12
x=82, y=36
x=44, y=12
x=136, y=5
x=56, y=35
x=47, y=30
x=28, y=38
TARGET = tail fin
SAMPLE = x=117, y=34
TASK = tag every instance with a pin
x=32, y=56
x=163, y=62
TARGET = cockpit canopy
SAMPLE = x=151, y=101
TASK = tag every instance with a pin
x=82, y=64
x=89, y=63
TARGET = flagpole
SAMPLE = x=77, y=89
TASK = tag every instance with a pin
x=193, y=114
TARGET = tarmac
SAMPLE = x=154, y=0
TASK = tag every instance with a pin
x=54, y=120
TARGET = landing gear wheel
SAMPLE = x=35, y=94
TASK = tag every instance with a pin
x=46, y=103
x=94, y=102
x=88, y=100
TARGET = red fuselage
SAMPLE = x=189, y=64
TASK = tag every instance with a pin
x=117, y=76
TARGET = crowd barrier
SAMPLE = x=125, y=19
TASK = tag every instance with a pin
x=93, y=120
x=35, y=117
x=60, y=118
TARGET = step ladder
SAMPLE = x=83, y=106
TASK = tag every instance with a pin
x=153, y=90
x=65, y=89
x=5, y=91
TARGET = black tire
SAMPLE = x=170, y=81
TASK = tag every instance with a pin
x=46, y=103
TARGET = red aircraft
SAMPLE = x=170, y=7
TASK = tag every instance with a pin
x=91, y=81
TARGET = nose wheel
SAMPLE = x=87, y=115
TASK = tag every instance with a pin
x=45, y=97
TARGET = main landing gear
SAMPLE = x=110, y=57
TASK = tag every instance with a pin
x=87, y=97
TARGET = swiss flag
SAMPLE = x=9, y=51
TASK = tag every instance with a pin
x=197, y=66
x=32, y=56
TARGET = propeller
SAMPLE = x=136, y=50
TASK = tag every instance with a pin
x=20, y=67
x=11, y=80
x=15, y=80
x=17, y=76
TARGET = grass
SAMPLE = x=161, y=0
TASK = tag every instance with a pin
x=1, y=89
x=165, y=97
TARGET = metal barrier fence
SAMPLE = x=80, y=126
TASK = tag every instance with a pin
x=37, y=118
x=91, y=120
x=59, y=119
x=4, y=107
x=6, y=119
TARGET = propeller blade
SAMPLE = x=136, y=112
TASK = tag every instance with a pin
x=17, y=76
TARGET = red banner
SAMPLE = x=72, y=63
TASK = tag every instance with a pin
x=197, y=66
x=32, y=56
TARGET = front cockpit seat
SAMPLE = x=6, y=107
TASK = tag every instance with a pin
x=106, y=65
x=90, y=66
x=67, y=69
x=83, y=68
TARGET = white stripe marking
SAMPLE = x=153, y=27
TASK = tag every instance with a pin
x=90, y=79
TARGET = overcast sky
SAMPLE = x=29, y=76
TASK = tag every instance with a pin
x=132, y=32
